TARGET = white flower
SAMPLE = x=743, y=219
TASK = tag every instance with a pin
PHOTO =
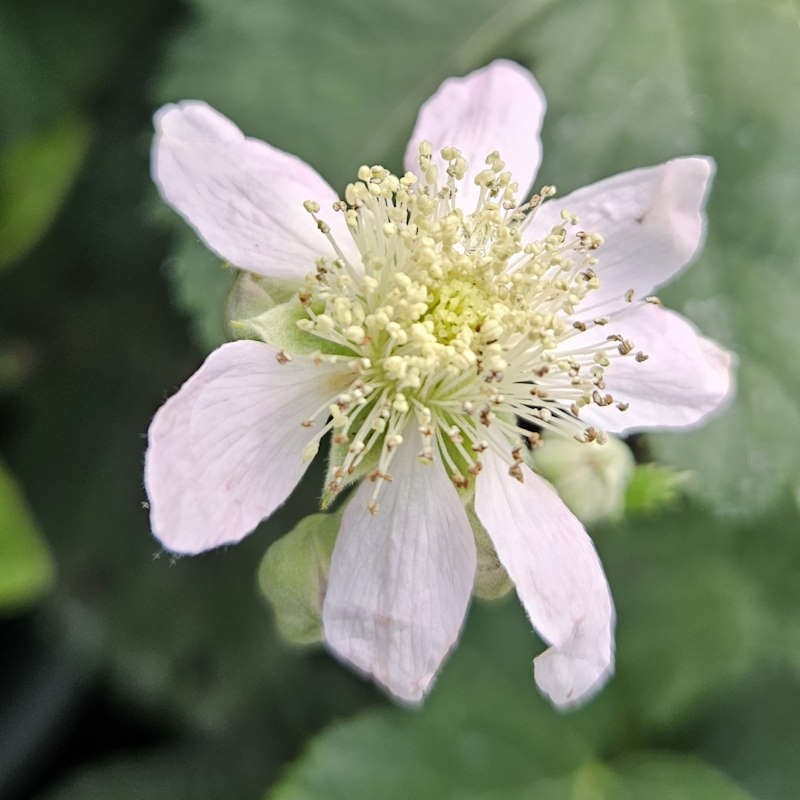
x=449, y=321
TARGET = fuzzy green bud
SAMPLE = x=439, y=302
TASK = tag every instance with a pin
x=293, y=577
x=591, y=478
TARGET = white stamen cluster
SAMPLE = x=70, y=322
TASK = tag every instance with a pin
x=455, y=323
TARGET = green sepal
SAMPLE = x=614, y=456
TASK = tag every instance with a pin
x=293, y=576
x=251, y=295
x=278, y=326
x=248, y=308
x=653, y=487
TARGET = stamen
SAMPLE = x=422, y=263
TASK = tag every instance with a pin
x=456, y=319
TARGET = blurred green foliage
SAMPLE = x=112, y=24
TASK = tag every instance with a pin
x=706, y=588
x=232, y=772
x=26, y=567
x=37, y=173
x=653, y=487
x=56, y=58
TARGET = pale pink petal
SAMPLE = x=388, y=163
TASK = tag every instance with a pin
x=685, y=378
x=400, y=580
x=225, y=451
x=499, y=107
x=242, y=196
x=652, y=220
x=557, y=575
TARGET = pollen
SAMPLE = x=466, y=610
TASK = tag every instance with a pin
x=456, y=320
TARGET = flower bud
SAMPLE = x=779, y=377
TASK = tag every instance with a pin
x=293, y=577
x=591, y=478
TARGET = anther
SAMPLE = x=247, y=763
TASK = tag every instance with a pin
x=515, y=471
x=378, y=475
x=393, y=441
x=459, y=480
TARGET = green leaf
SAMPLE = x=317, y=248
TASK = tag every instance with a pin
x=37, y=174
x=662, y=776
x=753, y=734
x=654, y=776
x=485, y=734
x=484, y=728
x=768, y=549
x=26, y=567
x=691, y=617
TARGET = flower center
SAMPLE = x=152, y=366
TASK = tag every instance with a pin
x=459, y=320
